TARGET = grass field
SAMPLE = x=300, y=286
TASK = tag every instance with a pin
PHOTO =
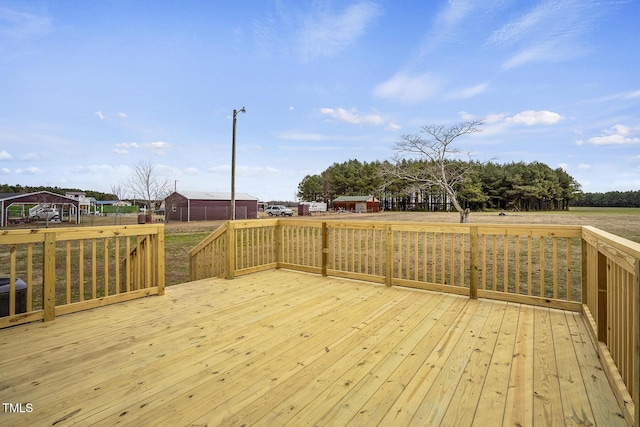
x=181, y=237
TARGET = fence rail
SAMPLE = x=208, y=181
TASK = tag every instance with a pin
x=573, y=268
x=63, y=270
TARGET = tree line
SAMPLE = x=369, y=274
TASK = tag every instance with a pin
x=613, y=199
x=512, y=186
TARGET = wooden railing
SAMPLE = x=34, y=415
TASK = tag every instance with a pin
x=611, y=287
x=462, y=259
x=574, y=268
x=72, y=269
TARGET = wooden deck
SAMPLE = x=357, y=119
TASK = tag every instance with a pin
x=288, y=348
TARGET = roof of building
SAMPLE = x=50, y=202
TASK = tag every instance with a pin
x=355, y=199
x=214, y=195
x=36, y=197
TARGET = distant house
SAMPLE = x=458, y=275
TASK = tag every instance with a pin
x=87, y=204
x=359, y=204
x=208, y=206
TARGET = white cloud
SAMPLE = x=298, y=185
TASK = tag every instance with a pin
x=469, y=92
x=22, y=25
x=157, y=144
x=127, y=145
x=191, y=171
x=157, y=148
x=33, y=156
x=5, y=155
x=326, y=34
x=29, y=171
x=531, y=118
x=584, y=166
x=352, y=116
x=536, y=53
x=563, y=166
x=617, y=135
x=634, y=94
x=5, y=171
x=449, y=19
x=408, y=88
x=624, y=96
x=551, y=30
x=167, y=171
x=494, y=118
x=100, y=115
x=465, y=115
x=123, y=147
x=122, y=115
x=393, y=127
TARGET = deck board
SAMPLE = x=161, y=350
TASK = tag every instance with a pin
x=289, y=348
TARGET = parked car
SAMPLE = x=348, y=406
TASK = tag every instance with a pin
x=49, y=214
x=278, y=210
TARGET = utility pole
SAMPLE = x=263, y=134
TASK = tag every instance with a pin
x=233, y=164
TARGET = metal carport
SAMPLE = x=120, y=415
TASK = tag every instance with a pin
x=9, y=199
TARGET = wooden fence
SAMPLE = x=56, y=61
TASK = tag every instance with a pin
x=71, y=269
x=573, y=268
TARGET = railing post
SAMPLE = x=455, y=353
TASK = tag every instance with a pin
x=49, y=276
x=636, y=350
x=585, y=270
x=473, y=262
x=325, y=248
x=160, y=259
x=231, y=250
x=192, y=264
x=602, y=297
x=279, y=250
x=388, y=280
x=12, y=280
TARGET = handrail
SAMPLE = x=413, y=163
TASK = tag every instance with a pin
x=201, y=262
x=573, y=268
x=611, y=280
x=71, y=269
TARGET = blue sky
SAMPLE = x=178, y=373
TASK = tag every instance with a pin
x=89, y=89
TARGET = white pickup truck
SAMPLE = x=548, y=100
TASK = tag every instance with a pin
x=278, y=210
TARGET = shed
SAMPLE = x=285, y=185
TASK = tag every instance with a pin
x=207, y=206
x=358, y=204
x=39, y=197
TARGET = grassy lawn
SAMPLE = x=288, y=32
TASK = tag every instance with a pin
x=177, y=247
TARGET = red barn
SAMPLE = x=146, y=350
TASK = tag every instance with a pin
x=356, y=204
x=207, y=206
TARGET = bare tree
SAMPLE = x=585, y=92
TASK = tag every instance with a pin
x=146, y=185
x=119, y=191
x=441, y=166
